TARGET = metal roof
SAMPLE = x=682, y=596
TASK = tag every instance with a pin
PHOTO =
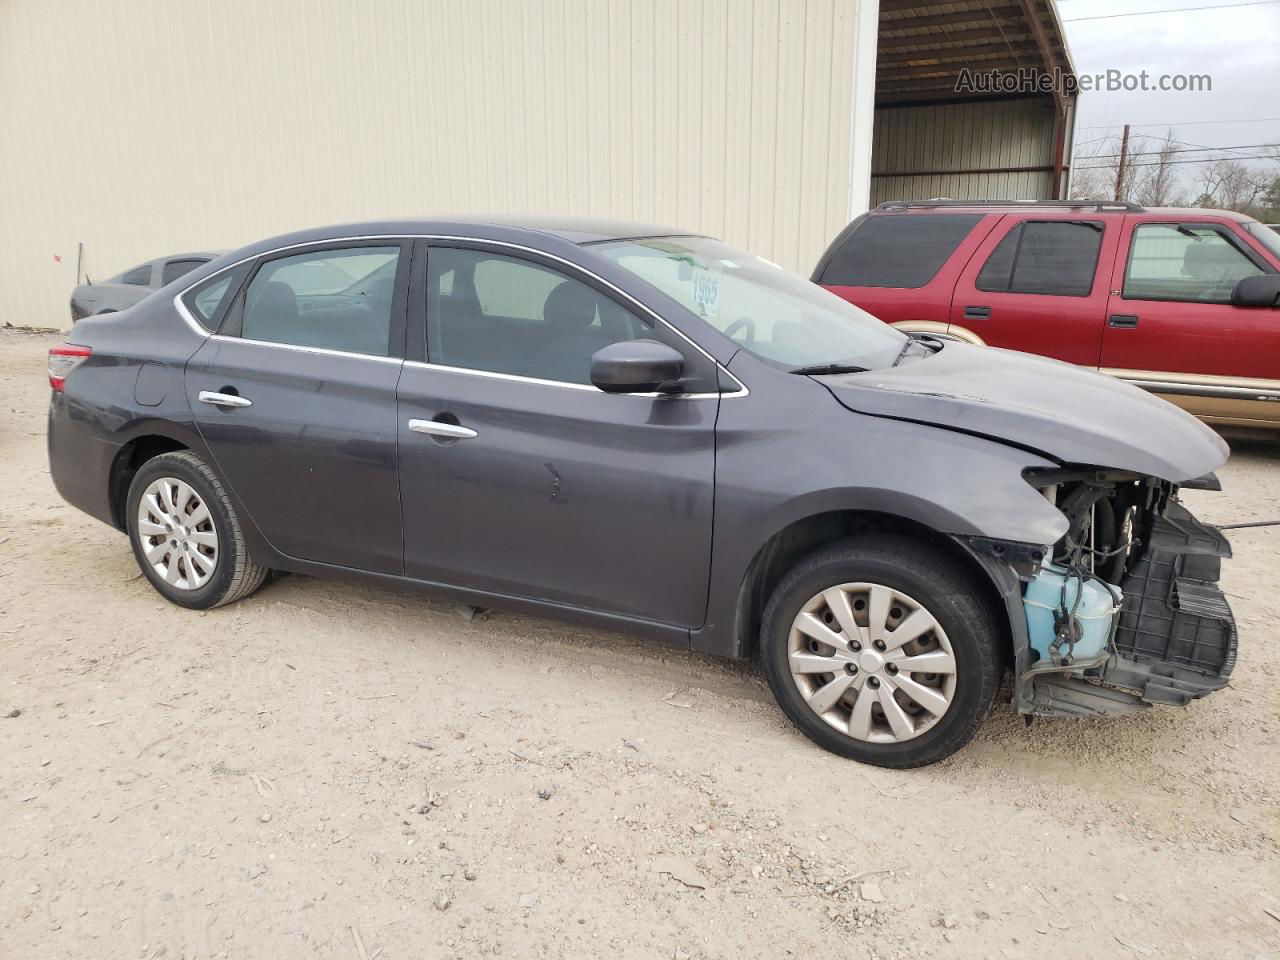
x=923, y=46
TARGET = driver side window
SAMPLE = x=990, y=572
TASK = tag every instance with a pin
x=1184, y=262
x=505, y=315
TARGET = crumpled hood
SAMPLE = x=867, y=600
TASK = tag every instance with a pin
x=1068, y=413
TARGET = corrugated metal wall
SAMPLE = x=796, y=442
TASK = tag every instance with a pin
x=931, y=141
x=145, y=128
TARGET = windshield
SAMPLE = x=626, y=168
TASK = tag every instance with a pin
x=770, y=312
x=1265, y=236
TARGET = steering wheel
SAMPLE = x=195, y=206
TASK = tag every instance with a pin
x=742, y=323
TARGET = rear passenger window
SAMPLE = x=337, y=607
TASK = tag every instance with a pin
x=1050, y=257
x=331, y=299
x=897, y=250
x=504, y=315
x=138, y=276
x=1176, y=261
x=177, y=268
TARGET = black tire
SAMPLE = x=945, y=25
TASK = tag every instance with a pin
x=235, y=575
x=947, y=591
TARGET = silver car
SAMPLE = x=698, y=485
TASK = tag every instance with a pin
x=135, y=284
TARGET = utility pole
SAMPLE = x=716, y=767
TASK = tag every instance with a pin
x=1124, y=153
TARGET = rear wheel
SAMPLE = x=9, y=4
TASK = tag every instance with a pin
x=882, y=650
x=186, y=535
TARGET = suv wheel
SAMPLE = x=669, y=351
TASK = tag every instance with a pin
x=185, y=533
x=883, y=651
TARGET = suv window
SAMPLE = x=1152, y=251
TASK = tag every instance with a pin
x=138, y=276
x=504, y=315
x=177, y=268
x=897, y=250
x=1180, y=261
x=1049, y=257
x=331, y=299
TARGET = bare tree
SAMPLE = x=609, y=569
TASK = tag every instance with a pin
x=1231, y=185
x=1095, y=170
x=1157, y=180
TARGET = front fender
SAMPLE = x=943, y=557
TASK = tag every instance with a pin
x=781, y=463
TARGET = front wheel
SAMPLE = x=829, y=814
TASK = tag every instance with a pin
x=186, y=535
x=882, y=650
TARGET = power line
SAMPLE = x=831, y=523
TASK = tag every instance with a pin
x=1157, y=163
x=1203, y=147
x=1190, y=148
x=1147, y=13
x=1179, y=123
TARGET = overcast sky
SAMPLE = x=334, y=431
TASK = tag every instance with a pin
x=1238, y=46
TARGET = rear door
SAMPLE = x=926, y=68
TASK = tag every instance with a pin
x=1171, y=326
x=518, y=477
x=1039, y=284
x=296, y=400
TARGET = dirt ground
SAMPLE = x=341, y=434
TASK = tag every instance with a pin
x=328, y=770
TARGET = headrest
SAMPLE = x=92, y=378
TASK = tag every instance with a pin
x=1209, y=260
x=571, y=305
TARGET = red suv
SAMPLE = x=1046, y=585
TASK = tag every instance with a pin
x=1173, y=300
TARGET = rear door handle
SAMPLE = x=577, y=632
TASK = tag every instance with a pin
x=976, y=312
x=438, y=428
x=1124, y=320
x=224, y=399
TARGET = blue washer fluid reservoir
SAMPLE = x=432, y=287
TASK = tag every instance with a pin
x=1099, y=603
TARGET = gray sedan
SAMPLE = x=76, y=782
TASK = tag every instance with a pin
x=133, y=285
x=650, y=430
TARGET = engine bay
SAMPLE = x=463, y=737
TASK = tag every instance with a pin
x=1125, y=611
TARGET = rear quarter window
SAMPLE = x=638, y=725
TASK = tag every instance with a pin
x=896, y=250
x=174, y=269
x=208, y=300
x=138, y=276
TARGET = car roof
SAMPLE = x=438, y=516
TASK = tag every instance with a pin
x=576, y=230
x=579, y=229
x=194, y=255
x=1094, y=207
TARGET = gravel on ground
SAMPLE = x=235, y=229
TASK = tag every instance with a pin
x=343, y=771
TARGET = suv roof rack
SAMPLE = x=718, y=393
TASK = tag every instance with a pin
x=1098, y=205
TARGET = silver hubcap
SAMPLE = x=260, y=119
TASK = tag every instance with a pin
x=872, y=662
x=176, y=534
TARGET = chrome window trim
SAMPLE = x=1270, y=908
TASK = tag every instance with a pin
x=325, y=351
x=186, y=315
x=204, y=331
x=517, y=378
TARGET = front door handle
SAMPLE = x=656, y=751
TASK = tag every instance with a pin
x=1123, y=320
x=976, y=312
x=224, y=399
x=439, y=428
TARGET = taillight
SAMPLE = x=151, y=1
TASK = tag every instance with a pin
x=62, y=360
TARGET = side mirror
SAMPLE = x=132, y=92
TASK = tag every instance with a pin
x=636, y=366
x=1260, y=291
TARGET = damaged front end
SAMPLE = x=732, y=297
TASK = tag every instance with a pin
x=1125, y=610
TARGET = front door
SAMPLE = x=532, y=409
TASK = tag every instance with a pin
x=1040, y=286
x=518, y=477
x=1171, y=326
x=296, y=400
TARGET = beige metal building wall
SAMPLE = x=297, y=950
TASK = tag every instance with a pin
x=995, y=149
x=146, y=128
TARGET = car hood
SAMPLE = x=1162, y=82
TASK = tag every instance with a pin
x=1068, y=413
